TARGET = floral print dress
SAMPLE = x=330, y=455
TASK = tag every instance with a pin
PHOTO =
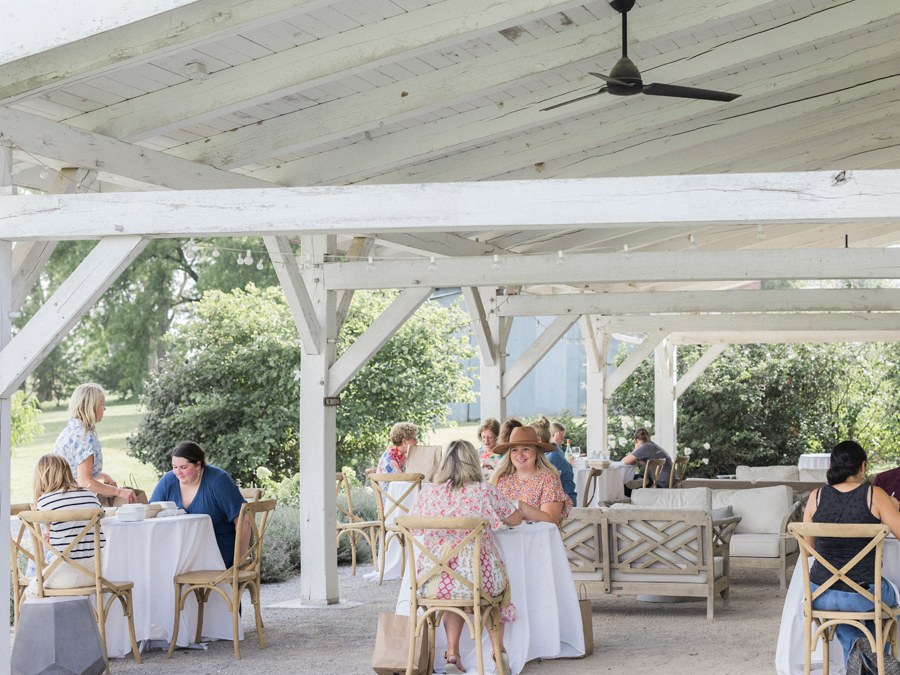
x=542, y=488
x=76, y=445
x=475, y=500
x=392, y=461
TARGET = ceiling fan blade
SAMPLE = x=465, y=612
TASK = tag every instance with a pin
x=687, y=92
x=612, y=80
x=602, y=90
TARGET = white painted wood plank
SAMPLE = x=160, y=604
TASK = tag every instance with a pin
x=783, y=337
x=295, y=292
x=61, y=312
x=538, y=350
x=808, y=197
x=861, y=322
x=359, y=249
x=376, y=336
x=5, y=416
x=679, y=302
x=696, y=370
x=480, y=325
x=441, y=244
x=632, y=361
x=665, y=420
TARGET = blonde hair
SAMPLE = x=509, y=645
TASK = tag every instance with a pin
x=459, y=465
x=84, y=403
x=542, y=426
x=505, y=465
x=52, y=474
x=491, y=425
x=556, y=427
x=403, y=431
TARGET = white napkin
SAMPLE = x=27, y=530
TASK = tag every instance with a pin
x=168, y=513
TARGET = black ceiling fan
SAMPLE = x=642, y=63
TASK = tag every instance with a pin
x=625, y=79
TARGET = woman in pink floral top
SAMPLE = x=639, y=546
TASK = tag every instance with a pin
x=526, y=476
x=404, y=436
x=458, y=491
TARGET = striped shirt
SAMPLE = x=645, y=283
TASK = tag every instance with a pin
x=62, y=534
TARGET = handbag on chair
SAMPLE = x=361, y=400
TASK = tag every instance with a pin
x=392, y=646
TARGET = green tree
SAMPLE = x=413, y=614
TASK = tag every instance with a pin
x=229, y=383
x=25, y=418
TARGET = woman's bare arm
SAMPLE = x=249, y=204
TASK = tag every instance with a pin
x=85, y=480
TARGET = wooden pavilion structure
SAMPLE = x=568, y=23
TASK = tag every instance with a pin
x=402, y=144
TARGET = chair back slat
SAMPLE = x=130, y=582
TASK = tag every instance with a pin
x=652, y=469
x=252, y=494
x=679, y=467
x=591, y=488
x=384, y=502
x=343, y=482
x=252, y=559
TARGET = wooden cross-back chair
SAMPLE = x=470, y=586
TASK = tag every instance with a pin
x=17, y=546
x=652, y=469
x=679, y=466
x=591, y=488
x=485, y=609
x=355, y=527
x=242, y=575
x=390, y=507
x=116, y=589
x=252, y=494
x=826, y=621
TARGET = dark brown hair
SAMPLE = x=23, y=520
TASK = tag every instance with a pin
x=642, y=435
x=190, y=451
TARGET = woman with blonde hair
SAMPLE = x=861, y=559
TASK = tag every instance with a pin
x=488, y=432
x=55, y=489
x=79, y=444
x=458, y=491
x=557, y=457
x=528, y=478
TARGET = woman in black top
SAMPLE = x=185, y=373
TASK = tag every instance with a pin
x=849, y=499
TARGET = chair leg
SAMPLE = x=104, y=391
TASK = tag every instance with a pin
x=101, y=624
x=353, y=540
x=411, y=653
x=479, y=649
x=254, y=598
x=128, y=606
x=402, y=555
x=494, y=627
x=235, y=620
x=201, y=594
x=179, y=605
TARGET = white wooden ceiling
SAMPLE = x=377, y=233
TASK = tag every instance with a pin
x=318, y=92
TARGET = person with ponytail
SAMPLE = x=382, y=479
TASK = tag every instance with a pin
x=849, y=499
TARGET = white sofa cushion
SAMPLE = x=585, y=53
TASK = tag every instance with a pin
x=814, y=475
x=761, y=509
x=755, y=473
x=750, y=545
x=691, y=498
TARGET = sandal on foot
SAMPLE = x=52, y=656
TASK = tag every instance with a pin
x=891, y=666
x=453, y=667
x=504, y=660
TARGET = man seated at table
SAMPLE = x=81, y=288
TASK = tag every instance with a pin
x=645, y=449
x=889, y=481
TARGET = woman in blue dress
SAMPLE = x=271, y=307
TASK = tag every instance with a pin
x=198, y=487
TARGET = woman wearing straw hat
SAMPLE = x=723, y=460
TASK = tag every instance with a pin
x=529, y=479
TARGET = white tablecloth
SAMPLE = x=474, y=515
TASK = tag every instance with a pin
x=394, y=551
x=814, y=460
x=789, y=654
x=611, y=485
x=150, y=553
x=549, y=623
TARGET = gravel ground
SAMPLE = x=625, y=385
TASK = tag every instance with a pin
x=629, y=636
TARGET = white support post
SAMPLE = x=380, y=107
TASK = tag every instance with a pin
x=294, y=291
x=74, y=297
x=5, y=402
x=597, y=403
x=697, y=369
x=360, y=247
x=318, y=520
x=376, y=336
x=538, y=350
x=665, y=408
x=493, y=400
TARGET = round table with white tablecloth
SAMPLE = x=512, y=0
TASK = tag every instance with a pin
x=814, y=460
x=549, y=623
x=790, y=653
x=394, y=553
x=610, y=485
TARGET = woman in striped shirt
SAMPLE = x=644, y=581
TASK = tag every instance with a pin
x=55, y=489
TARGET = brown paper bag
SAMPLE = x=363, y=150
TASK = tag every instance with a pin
x=108, y=501
x=424, y=459
x=587, y=623
x=392, y=646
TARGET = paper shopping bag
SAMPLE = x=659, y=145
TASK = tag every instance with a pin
x=424, y=459
x=392, y=646
x=584, y=604
x=107, y=501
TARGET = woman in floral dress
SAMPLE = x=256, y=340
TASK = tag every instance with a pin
x=403, y=436
x=525, y=475
x=459, y=491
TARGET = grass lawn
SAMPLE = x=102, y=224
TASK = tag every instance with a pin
x=118, y=422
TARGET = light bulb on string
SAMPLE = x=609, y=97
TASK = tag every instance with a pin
x=496, y=264
x=560, y=258
x=215, y=253
x=259, y=265
x=248, y=259
x=240, y=260
x=194, y=247
x=759, y=233
x=189, y=250
x=45, y=172
x=431, y=265
x=693, y=245
x=626, y=252
x=370, y=265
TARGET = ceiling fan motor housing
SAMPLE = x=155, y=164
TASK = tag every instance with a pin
x=625, y=71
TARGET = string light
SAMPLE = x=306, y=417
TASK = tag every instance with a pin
x=45, y=172
x=496, y=264
x=259, y=265
x=371, y=264
x=626, y=252
x=215, y=253
x=189, y=249
x=248, y=259
x=693, y=245
x=759, y=233
x=431, y=265
x=560, y=258
x=240, y=260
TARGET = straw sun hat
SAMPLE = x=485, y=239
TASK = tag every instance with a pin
x=524, y=436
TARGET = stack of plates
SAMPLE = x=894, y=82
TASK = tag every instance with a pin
x=130, y=513
x=599, y=463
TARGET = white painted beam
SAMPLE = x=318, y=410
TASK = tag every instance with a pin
x=860, y=322
x=359, y=249
x=730, y=301
x=810, y=197
x=443, y=244
x=632, y=361
x=538, y=350
x=45, y=138
x=74, y=297
x=376, y=336
x=665, y=402
x=773, y=337
x=480, y=325
x=596, y=405
x=696, y=370
x=116, y=46
x=295, y=292
x=317, y=63
x=5, y=399
x=596, y=357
